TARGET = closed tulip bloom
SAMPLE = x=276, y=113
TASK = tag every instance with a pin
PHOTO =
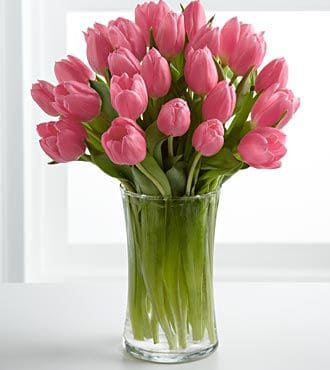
x=72, y=69
x=249, y=52
x=98, y=47
x=174, y=118
x=208, y=137
x=124, y=142
x=230, y=35
x=200, y=71
x=63, y=141
x=274, y=107
x=205, y=36
x=263, y=147
x=220, y=102
x=194, y=18
x=129, y=95
x=122, y=61
x=148, y=16
x=170, y=35
x=125, y=33
x=77, y=100
x=42, y=93
x=156, y=74
x=275, y=71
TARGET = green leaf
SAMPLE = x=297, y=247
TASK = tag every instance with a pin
x=104, y=163
x=142, y=184
x=232, y=135
x=155, y=140
x=221, y=74
x=100, y=124
x=209, y=181
x=103, y=90
x=177, y=177
x=224, y=162
x=154, y=137
x=244, y=87
x=153, y=170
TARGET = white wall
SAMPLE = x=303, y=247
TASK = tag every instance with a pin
x=11, y=143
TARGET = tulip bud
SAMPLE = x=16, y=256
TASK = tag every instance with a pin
x=124, y=33
x=220, y=102
x=170, y=36
x=125, y=142
x=63, y=141
x=156, y=74
x=98, y=47
x=200, y=71
x=174, y=118
x=263, y=147
x=206, y=36
x=229, y=37
x=274, y=72
x=72, y=69
x=208, y=137
x=43, y=94
x=194, y=18
x=122, y=61
x=77, y=100
x=129, y=95
x=274, y=107
x=149, y=15
x=249, y=52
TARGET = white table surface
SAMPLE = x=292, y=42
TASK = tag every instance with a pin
x=262, y=326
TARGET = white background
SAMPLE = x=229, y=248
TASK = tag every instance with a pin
x=272, y=224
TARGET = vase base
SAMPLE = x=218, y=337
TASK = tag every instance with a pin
x=169, y=357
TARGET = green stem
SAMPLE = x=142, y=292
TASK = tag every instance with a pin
x=152, y=179
x=170, y=146
x=198, y=155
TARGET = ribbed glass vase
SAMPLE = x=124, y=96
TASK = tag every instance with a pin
x=170, y=311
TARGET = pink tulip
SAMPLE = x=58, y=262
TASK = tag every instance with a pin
x=230, y=35
x=122, y=61
x=129, y=95
x=124, y=33
x=249, y=52
x=170, y=35
x=63, y=141
x=263, y=147
x=241, y=47
x=200, y=71
x=274, y=72
x=205, y=36
x=156, y=74
x=77, y=100
x=125, y=142
x=220, y=102
x=194, y=18
x=274, y=107
x=174, y=118
x=208, y=137
x=98, y=47
x=149, y=15
x=72, y=69
x=43, y=94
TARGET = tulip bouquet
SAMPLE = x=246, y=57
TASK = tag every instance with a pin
x=172, y=107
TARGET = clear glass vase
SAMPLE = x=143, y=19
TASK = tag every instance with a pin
x=170, y=312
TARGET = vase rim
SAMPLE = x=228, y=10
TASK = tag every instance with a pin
x=158, y=197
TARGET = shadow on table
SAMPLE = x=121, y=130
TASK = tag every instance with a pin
x=93, y=354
